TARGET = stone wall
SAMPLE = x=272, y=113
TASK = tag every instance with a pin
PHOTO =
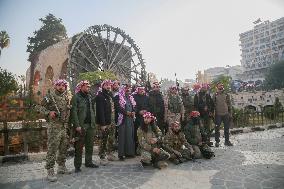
x=256, y=99
x=50, y=66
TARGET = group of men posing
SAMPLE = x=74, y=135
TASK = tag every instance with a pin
x=175, y=126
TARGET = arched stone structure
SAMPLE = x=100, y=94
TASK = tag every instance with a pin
x=49, y=74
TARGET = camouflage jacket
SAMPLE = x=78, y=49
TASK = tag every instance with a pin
x=193, y=133
x=58, y=102
x=144, y=138
x=175, y=141
x=187, y=103
x=175, y=104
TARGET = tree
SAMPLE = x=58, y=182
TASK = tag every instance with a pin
x=52, y=31
x=226, y=80
x=8, y=83
x=97, y=76
x=4, y=40
x=275, y=76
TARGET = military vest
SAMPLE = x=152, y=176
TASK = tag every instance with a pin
x=60, y=103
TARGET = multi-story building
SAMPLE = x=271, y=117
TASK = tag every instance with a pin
x=232, y=71
x=261, y=47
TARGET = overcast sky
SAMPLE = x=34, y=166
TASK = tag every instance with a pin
x=181, y=36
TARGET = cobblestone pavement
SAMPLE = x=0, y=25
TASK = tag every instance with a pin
x=256, y=161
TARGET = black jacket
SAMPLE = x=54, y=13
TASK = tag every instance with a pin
x=103, y=108
x=156, y=103
x=142, y=103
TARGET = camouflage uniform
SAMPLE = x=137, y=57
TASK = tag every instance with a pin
x=176, y=144
x=175, y=109
x=107, y=137
x=193, y=134
x=204, y=104
x=187, y=104
x=147, y=154
x=57, y=128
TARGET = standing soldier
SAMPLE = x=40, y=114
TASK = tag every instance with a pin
x=187, y=103
x=175, y=143
x=175, y=108
x=157, y=106
x=142, y=106
x=56, y=107
x=150, y=140
x=106, y=121
x=83, y=116
x=223, y=114
x=203, y=103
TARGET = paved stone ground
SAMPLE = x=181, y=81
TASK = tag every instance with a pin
x=256, y=161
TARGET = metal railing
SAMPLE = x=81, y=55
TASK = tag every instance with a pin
x=252, y=118
x=30, y=136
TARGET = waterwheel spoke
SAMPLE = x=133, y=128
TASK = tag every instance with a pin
x=93, y=53
x=113, y=47
x=128, y=59
x=101, y=38
x=117, y=53
x=84, y=56
x=108, y=37
x=86, y=69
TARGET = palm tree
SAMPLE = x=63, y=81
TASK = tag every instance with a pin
x=4, y=40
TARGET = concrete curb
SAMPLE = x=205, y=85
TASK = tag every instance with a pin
x=235, y=131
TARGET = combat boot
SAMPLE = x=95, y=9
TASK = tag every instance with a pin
x=111, y=157
x=161, y=165
x=50, y=175
x=104, y=161
x=62, y=169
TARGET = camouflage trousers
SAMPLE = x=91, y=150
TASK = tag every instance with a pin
x=57, y=141
x=197, y=153
x=206, y=122
x=107, y=140
x=172, y=117
x=185, y=153
x=150, y=157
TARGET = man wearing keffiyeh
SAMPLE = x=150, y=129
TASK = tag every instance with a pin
x=56, y=107
x=83, y=116
x=150, y=141
x=105, y=119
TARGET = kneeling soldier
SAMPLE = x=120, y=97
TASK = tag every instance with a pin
x=176, y=144
x=150, y=140
x=196, y=136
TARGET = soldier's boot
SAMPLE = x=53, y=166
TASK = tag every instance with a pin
x=161, y=165
x=50, y=175
x=145, y=164
x=111, y=157
x=62, y=169
x=104, y=161
x=176, y=161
